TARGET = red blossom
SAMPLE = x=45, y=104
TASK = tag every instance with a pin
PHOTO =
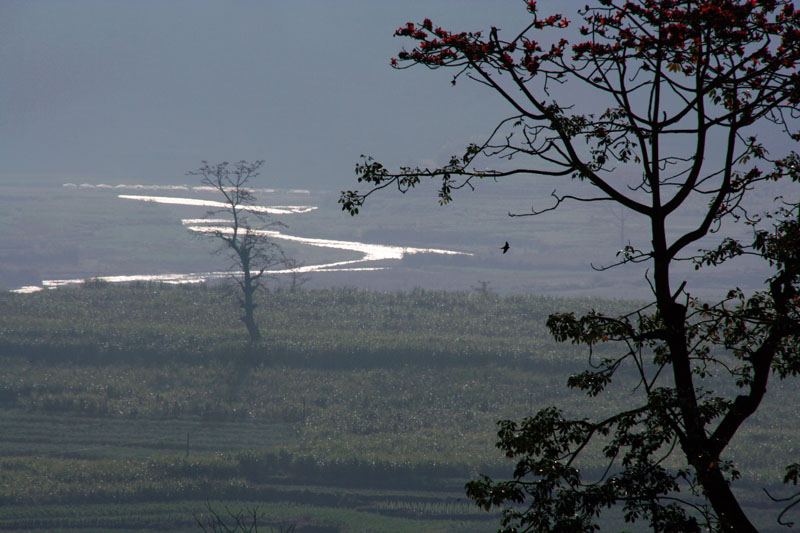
x=716, y=39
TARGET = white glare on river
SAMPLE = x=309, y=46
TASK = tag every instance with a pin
x=369, y=252
x=272, y=210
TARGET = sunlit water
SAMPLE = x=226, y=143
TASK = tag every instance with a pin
x=271, y=210
x=199, y=188
x=370, y=253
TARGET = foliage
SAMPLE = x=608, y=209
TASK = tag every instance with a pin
x=691, y=90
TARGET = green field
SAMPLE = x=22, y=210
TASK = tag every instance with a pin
x=131, y=407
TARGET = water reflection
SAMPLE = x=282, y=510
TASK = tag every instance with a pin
x=272, y=210
x=368, y=253
x=203, y=188
x=182, y=279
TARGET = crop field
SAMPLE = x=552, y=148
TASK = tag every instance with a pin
x=135, y=407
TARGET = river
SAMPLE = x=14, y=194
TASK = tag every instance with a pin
x=372, y=256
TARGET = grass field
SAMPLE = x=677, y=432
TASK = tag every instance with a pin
x=130, y=407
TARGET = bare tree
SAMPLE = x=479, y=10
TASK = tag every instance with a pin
x=298, y=276
x=244, y=238
x=235, y=522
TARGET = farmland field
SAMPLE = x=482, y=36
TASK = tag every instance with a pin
x=133, y=406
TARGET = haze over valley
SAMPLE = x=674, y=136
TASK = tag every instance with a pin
x=399, y=267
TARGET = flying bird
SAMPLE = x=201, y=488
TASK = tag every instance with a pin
x=505, y=247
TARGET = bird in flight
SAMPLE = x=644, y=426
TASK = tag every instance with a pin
x=505, y=247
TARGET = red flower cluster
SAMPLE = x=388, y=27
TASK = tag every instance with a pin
x=711, y=38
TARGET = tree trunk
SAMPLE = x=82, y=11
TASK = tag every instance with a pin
x=252, y=327
x=696, y=448
x=248, y=307
x=731, y=516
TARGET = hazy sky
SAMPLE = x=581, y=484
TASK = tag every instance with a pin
x=113, y=91
x=140, y=91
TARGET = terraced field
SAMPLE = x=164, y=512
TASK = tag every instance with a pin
x=135, y=407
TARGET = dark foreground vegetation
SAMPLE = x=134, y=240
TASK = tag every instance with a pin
x=131, y=407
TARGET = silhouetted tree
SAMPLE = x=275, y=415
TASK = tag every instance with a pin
x=249, y=247
x=298, y=276
x=694, y=98
x=235, y=521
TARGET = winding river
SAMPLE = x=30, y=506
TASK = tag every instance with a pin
x=370, y=253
